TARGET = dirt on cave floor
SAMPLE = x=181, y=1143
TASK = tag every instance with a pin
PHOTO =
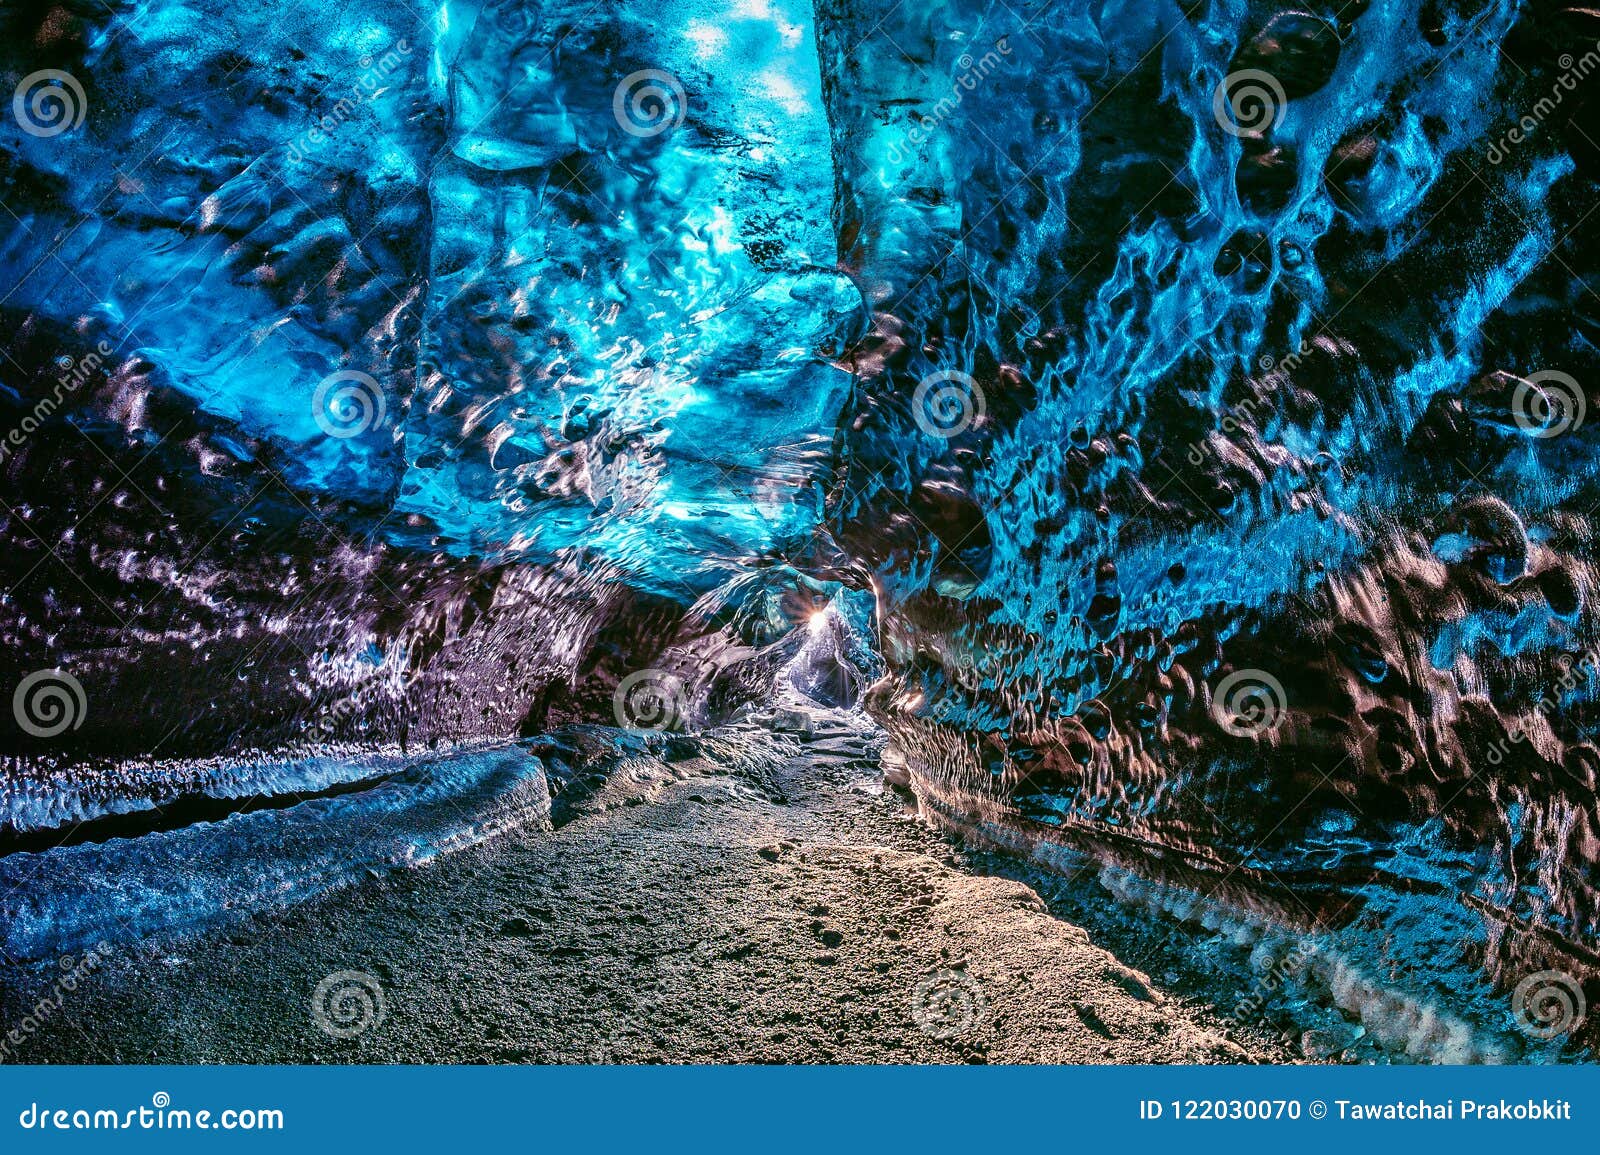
x=799, y=914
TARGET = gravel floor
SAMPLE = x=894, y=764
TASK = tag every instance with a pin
x=685, y=914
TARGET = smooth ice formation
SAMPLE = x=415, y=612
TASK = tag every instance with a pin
x=1168, y=421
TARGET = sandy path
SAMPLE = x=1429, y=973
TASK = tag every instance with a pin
x=801, y=915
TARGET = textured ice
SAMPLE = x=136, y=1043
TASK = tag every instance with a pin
x=1185, y=402
x=68, y=898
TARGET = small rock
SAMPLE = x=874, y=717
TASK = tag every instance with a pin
x=1327, y=1042
x=1299, y=50
x=1266, y=177
x=1137, y=985
x=1230, y=1050
x=1091, y=1018
x=792, y=721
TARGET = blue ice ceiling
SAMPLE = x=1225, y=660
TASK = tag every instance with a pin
x=568, y=313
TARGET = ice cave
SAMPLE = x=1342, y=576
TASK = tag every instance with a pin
x=659, y=497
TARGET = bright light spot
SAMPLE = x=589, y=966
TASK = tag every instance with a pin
x=818, y=622
x=785, y=92
x=714, y=236
x=708, y=39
